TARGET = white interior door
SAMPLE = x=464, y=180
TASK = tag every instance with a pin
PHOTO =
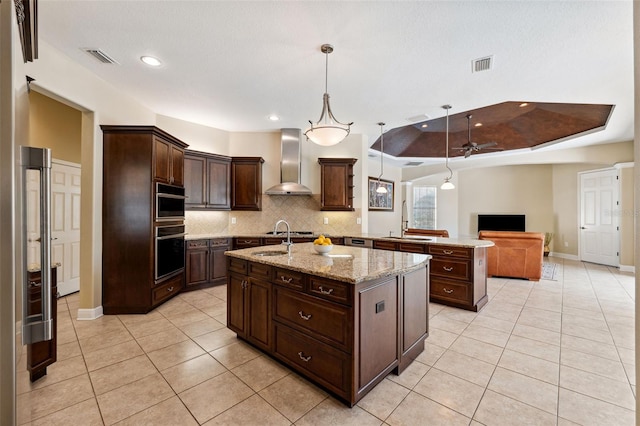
x=65, y=224
x=599, y=233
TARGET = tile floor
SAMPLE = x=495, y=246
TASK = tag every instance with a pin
x=553, y=352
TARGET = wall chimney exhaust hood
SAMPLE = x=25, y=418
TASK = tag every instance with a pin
x=289, y=166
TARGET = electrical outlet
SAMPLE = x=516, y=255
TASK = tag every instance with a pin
x=325, y=220
x=358, y=221
x=233, y=220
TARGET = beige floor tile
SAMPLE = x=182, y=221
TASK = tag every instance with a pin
x=496, y=409
x=235, y=354
x=410, y=376
x=215, y=311
x=192, y=372
x=442, y=322
x=535, y=348
x=260, y=372
x=531, y=366
x=494, y=323
x=103, y=325
x=128, y=320
x=585, y=410
x=502, y=311
x=201, y=327
x=600, y=336
x=175, y=306
x=594, y=322
x=175, y=354
x=61, y=370
x=132, y=398
x=219, y=291
x=216, y=339
x=593, y=364
x=525, y=389
x=66, y=335
x=431, y=354
x=535, y=333
x=160, y=340
x=415, y=409
x=252, y=411
x=458, y=314
x=477, y=349
x=206, y=302
x=170, y=412
x=293, y=396
x=596, y=386
x=441, y=338
x=591, y=347
x=487, y=335
x=200, y=403
x=112, y=355
x=85, y=413
x=68, y=350
x=452, y=392
x=146, y=328
x=121, y=373
x=188, y=318
x=333, y=412
x=540, y=318
x=465, y=367
x=581, y=312
x=104, y=340
x=383, y=399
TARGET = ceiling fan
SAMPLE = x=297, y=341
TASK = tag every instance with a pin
x=471, y=147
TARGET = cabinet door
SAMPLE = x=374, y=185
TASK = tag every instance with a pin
x=336, y=182
x=246, y=179
x=197, y=268
x=177, y=166
x=195, y=181
x=218, y=184
x=162, y=158
x=236, y=303
x=259, y=311
x=218, y=263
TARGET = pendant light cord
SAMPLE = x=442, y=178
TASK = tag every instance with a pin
x=447, y=107
x=381, y=151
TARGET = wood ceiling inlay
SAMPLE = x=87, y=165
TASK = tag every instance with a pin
x=509, y=124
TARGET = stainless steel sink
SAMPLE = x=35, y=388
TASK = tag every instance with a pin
x=270, y=253
x=413, y=237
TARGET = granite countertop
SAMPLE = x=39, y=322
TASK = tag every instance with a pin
x=458, y=242
x=348, y=264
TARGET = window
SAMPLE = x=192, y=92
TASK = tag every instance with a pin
x=424, y=207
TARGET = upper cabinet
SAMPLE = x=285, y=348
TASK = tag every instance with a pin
x=246, y=183
x=336, y=183
x=207, y=181
x=168, y=161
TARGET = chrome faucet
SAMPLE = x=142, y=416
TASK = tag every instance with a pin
x=287, y=243
x=404, y=224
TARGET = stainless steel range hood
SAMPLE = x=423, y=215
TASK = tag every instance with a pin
x=289, y=166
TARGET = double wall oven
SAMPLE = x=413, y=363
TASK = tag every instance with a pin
x=169, y=230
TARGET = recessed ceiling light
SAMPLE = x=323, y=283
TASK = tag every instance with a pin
x=524, y=104
x=151, y=61
x=478, y=124
x=274, y=117
x=425, y=125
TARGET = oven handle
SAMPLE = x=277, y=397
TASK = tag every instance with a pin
x=166, y=237
x=166, y=195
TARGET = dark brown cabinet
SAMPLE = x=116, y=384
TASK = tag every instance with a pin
x=336, y=183
x=207, y=181
x=42, y=354
x=246, y=183
x=134, y=278
x=205, y=264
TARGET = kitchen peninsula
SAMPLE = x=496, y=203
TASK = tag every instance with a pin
x=343, y=320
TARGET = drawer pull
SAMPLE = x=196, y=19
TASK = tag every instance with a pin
x=448, y=269
x=244, y=284
x=446, y=290
x=325, y=291
x=248, y=242
x=447, y=251
x=303, y=316
x=288, y=281
x=170, y=289
x=304, y=358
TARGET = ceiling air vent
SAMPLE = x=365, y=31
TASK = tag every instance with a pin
x=413, y=163
x=101, y=56
x=482, y=64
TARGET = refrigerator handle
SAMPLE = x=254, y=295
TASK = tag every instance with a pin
x=37, y=327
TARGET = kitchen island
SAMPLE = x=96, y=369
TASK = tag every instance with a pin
x=343, y=320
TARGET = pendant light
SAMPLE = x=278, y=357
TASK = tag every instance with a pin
x=447, y=181
x=381, y=188
x=327, y=131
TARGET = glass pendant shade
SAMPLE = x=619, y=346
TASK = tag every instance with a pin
x=381, y=189
x=447, y=184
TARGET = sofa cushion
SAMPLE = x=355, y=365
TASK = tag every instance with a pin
x=514, y=254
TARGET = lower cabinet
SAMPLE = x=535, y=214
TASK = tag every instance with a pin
x=42, y=354
x=205, y=264
x=344, y=337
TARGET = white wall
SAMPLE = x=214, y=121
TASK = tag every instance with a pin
x=383, y=222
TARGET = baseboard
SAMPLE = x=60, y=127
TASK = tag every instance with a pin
x=628, y=268
x=564, y=256
x=89, y=314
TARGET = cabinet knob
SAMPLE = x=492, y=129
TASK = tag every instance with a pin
x=170, y=289
x=288, y=281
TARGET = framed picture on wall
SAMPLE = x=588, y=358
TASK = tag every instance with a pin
x=377, y=200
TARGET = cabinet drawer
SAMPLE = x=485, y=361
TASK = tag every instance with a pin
x=323, y=363
x=384, y=245
x=259, y=270
x=411, y=247
x=219, y=242
x=237, y=265
x=329, y=322
x=288, y=278
x=453, y=251
x=197, y=244
x=330, y=290
x=244, y=242
x=451, y=268
x=444, y=289
x=166, y=290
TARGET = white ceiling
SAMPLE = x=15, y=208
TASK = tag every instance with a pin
x=230, y=64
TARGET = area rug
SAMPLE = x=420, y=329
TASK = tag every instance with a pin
x=550, y=271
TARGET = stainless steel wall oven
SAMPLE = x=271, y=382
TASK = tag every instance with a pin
x=169, y=246
x=169, y=202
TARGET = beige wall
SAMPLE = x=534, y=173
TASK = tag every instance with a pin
x=383, y=222
x=55, y=125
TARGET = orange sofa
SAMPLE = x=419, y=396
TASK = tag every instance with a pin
x=515, y=254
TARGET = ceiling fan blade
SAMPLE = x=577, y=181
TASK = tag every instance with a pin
x=486, y=145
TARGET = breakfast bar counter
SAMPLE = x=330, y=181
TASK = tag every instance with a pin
x=344, y=319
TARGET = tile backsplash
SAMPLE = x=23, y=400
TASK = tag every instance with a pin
x=301, y=212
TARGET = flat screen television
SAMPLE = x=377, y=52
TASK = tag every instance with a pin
x=501, y=222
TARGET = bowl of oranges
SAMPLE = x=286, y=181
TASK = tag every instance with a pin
x=322, y=245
